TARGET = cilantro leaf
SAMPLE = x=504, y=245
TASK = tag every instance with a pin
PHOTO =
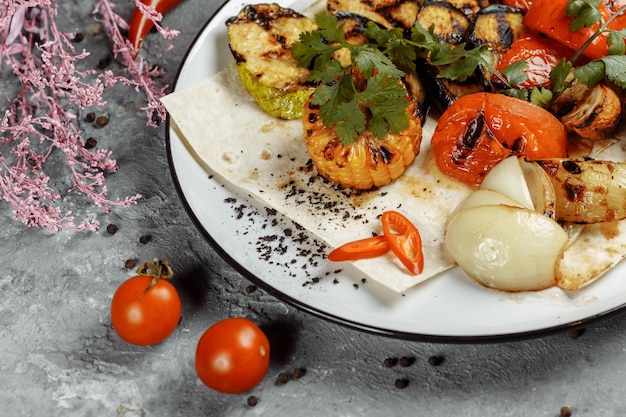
x=541, y=96
x=616, y=42
x=614, y=69
x=515, y=73
x=368, y=59
x=590, y=74
x=586, y=13
x=559, y=74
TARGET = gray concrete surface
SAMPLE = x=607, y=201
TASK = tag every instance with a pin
x=59, y=355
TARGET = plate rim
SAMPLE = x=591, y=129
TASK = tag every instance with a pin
x=303, y=306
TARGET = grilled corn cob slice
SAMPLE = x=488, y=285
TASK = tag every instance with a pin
x=260, y=37
x=367, y=162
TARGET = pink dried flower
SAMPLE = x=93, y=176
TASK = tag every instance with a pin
x=41, y=118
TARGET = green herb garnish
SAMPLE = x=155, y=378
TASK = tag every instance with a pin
x=377, y=103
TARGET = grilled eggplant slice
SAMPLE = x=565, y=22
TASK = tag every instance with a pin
x=587, y=191
x=367, y=162
x=498, y=26
x=450, y=25
x=260, y=37
x=447, y=22
x=596, y=115
x=469, y=7
x=389, y=13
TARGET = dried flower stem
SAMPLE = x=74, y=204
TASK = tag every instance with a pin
x=41, y=119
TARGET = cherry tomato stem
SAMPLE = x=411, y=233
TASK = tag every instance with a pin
x=404, y=239
x=140, y=25
x=371, y=247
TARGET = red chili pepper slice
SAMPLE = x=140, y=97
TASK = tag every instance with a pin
x=404, y=239
x=370, y=247
x=140, y=25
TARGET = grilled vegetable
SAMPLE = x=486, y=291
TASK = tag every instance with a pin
x=497, y=25
x=469, y=7
x=367, y=162
x=506, y=247
x=587, y=191
x=389, y=13
x=260, y=38
x=447, y=22
x=449, y=25
x=596, y=115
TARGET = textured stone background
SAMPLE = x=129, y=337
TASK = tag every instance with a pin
x=60, y=357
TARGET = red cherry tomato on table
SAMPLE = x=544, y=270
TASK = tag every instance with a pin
x=232, y=356
x=146, y=309
x=481, y=129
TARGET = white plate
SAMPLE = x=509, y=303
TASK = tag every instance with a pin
x=447, y=308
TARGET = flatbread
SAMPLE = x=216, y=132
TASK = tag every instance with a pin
x=266, y=158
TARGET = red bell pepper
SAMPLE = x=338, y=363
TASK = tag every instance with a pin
x=140, y=24
x=548, y=17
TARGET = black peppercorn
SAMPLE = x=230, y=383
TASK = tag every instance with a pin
x=566, y=412
x=91, y=143
x=90, y=117
x=102, y=121
x=252, y=401
x=112, y=229
x=250, y=289
x=401, y=383
x=282, y=378
x=298, y=373
x=406, y=361
x=435, y=360
x=390, y=362
x=145, y=239
x=130, y=263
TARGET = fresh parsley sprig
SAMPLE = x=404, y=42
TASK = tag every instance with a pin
x=365, y=94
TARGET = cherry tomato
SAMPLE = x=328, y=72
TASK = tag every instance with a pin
x=404, y=239
x=370, y=247
x=145, y=309
x=232, y=356
x=140, y=24
x=479, y=130
x=542, y=55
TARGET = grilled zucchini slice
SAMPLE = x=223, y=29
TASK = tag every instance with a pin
x=260, y=37
x=389, y=13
